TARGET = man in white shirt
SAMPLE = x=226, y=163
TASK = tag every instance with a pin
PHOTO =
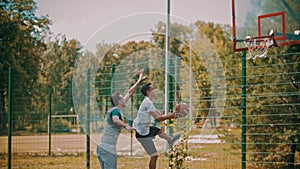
x=145, y=133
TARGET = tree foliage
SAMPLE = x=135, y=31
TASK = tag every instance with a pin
x=37, y=66
x=21, y=46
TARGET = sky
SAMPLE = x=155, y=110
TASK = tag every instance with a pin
x=81, y=19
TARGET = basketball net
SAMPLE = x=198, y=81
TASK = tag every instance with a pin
x=258, y=46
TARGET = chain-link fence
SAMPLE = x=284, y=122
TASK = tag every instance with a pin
x=241, y=115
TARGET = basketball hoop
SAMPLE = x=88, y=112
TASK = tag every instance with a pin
x=258, y=46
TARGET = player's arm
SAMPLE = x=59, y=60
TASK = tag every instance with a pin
x=160, y=117
x=116, y=120
x=134, y=87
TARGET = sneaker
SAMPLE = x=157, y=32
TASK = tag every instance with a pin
x=176, y=137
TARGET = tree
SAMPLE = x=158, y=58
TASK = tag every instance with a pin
x=57, y=69
x=21, y=45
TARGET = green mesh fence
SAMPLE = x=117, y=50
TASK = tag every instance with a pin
x=272, y=126
x=213, y=129
x=43, y=121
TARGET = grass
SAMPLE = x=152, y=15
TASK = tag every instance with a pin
x=78, y=161
x=200, y=156
x=206, y=156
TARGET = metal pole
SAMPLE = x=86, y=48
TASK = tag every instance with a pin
x=167, y=61
x=130, y=121
x=167, y=56
x=167, y=80
x=113, y=69
x=87, y=123
x=244, y=95
x=50, y=122
x=167, y=77
x=191, y=74
x=9, y=118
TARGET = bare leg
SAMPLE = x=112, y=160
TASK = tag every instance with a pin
x=152, y=163
x=164, y=135
x=170, y=140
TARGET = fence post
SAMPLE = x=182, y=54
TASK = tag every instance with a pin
x=130, y=121
x=113, y=70
x=50, y=122
x=244, y=95
x=87, y=122
x=9, y=119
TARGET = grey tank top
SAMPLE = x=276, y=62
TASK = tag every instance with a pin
x=111, y=132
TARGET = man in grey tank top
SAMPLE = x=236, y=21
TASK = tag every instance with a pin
x=114, y=121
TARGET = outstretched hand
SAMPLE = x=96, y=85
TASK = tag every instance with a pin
x=176, y=115
x=142, y=75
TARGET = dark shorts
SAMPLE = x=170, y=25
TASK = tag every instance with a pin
x=152, y=133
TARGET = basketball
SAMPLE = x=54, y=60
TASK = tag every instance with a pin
x=182, y=109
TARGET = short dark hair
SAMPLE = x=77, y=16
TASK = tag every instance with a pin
x=115, y=98
x=145, y=88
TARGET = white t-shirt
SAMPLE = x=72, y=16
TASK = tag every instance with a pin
x=143, y=119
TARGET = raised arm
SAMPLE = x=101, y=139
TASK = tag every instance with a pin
x=134, y=87
x=160, y=117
